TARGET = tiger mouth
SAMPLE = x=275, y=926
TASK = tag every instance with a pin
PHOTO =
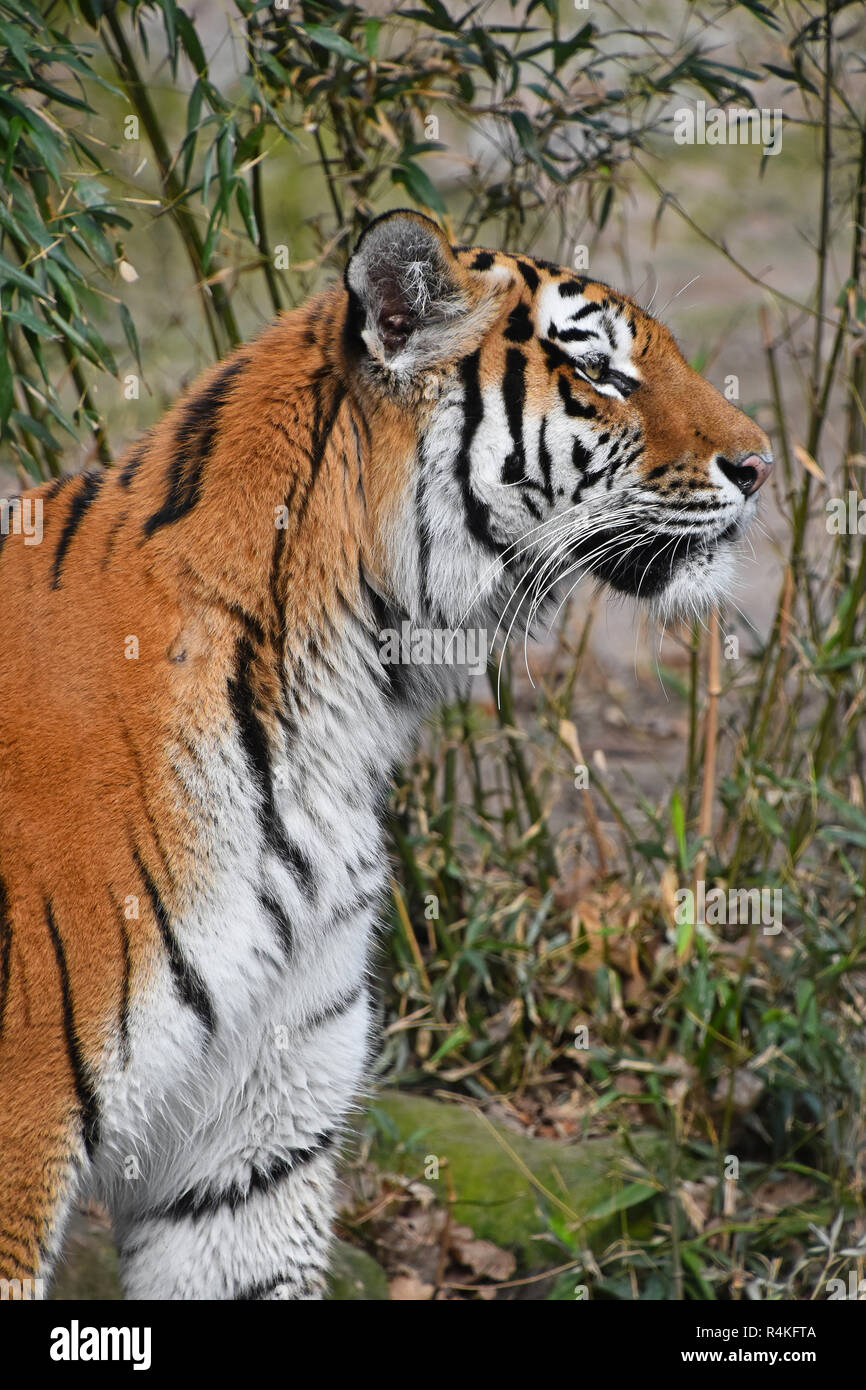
x=643, y=567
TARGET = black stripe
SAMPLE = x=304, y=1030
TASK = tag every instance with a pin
x=422, y=531
x=252, y=626
x=58, y=484
x=581, y=410
x=277, y=912
x=477, y=512
x=254, y=1292
x=111, y=538
x=84, y=1090
x=254, y=629
x=623, y=463
x=514, y=395
x=125, y=1051
x=545, y=462
x=583, y=312
x=331, y=1012
x=483, y=261
x=91, y=484
x=356, y=408
x=189, y=983
x=353, y=325
x=570, y=289
x=125, y=986
x=319, y=436
x=359, y=458
x=133, y=463
x=255, y=745
x=385, y=617
x=555, y=356
x=5, y=951
x=205, y=1201
x=193, y=442
x=530, y=275
x=519, y=328
x=142, y=784
x=658, y=472
x=581, y=458
x=323, y=425
x=572, y=335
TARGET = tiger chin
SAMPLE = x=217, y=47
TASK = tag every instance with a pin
x=197, y=727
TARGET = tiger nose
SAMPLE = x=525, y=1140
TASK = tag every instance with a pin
x=748, y=472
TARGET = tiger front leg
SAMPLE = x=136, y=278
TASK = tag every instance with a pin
x=235, y=1196
x=264, y=1235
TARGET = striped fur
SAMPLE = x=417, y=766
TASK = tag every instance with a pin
x=197, y=728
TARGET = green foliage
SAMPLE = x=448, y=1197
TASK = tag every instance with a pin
x=361, y=91
x=56, y=256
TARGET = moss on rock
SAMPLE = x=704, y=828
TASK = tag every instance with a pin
x=505, y=1184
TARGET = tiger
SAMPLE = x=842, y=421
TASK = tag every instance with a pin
x=199, y=729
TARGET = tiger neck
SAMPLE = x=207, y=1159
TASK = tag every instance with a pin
x=281, y=547
x=284, y=550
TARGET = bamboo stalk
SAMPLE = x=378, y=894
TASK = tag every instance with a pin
x=714, y=690
x=270, y=274
x=411, y=939
x=217, y=308
x=692, y=755
x=547, y=866
x=711, y=731
x=568, y=733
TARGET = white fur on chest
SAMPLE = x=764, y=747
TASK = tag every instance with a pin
x=287, y=1052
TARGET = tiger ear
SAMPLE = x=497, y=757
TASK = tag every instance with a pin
x=411, y=302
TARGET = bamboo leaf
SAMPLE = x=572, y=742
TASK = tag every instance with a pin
x=416, y=182
x=335, y=43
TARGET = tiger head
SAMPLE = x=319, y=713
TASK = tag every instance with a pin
x=556, y=430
